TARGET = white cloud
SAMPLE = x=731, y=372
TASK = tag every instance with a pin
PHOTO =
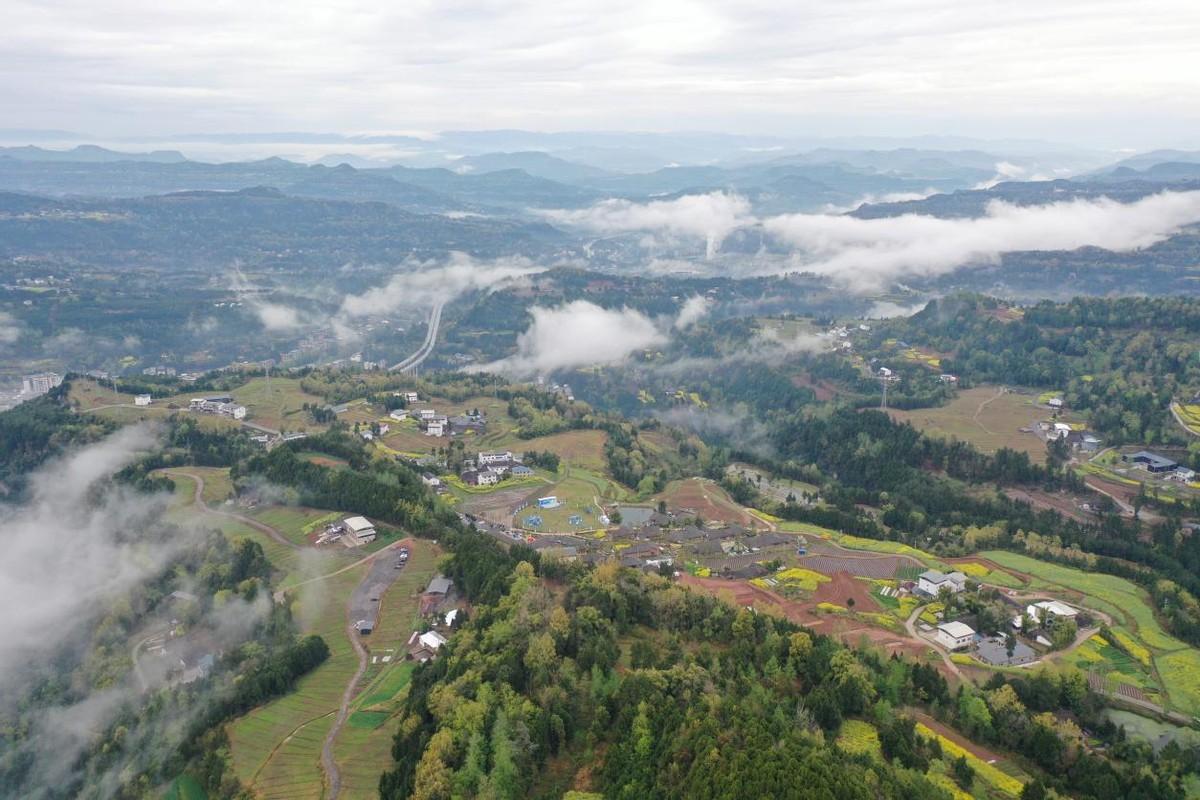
x=423, y=284
x=578, y=334
x=866, y=254
x=694, y=309
x=10, y=328
x=886, y=309
x=67, y=550
x=708, y=217
x=582, y=64
x=275, y=317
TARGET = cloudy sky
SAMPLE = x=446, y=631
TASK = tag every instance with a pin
x=1093, y=71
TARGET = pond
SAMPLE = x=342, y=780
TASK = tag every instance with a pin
x=1139, y=727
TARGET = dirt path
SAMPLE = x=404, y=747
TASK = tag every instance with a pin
x=979, y=410
x=328, y=763
x=954, y=736
x=198, y=501
x=378, y=581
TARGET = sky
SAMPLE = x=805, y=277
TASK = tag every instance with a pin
x=1093, y=72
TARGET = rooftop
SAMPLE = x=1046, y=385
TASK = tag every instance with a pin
x=439, y=585
x=357, y=524
x=956, y=629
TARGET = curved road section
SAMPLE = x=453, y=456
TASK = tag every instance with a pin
x=414, y=361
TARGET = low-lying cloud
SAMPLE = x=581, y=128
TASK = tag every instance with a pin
x=67, y=550
x=866, y=254
x=578, y=334
x=709, y=217
x=425, y=283
x=694, y=309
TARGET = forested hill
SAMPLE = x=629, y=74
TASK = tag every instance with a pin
x=614, y=684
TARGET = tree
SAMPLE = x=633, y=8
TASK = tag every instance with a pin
x=964, y=774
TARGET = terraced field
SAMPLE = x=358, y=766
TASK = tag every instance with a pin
x=276, y=749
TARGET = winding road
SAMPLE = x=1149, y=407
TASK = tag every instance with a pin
x=423, y=352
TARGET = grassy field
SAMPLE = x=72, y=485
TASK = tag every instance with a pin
x=185, y=787
x=280, y=407
x=577, y=497
x=1174, y=666
x=217, y=485
x=986, y=418
x=294, y=522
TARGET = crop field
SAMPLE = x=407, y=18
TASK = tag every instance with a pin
x=881, y=567
x=577, y=448
x=1189, y=416
x=857, y=737
x=988, y=773
x=984, y=416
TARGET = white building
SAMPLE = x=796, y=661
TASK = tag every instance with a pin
x=142, y=400
x=360, y=528
x=496, y=457
x=435, y=428
x=1051, y=610
x=931, y=581
x=432, y=639
x=1055, y=402
x=427, y=413
x=399, y=415
x=955, y=635
x=430, y=479
x=1183, y=475
x=410, y=397
x=40, y=383
x=1061, y=430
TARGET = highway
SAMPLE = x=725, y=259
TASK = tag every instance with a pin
x=413, y=361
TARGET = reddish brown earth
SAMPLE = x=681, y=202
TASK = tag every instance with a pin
x=707, y=500
x=841, y=588
x=824, y=392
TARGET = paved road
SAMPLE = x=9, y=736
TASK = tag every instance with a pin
x=365, y=598
x=413, y=361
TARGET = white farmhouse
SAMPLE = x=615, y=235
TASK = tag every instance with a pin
x=435, y=428
x=496, y=457
x=955, y=635
x=399, y=415
x=1050, y=610
x=142, y=400
x=931, y=581
x=432, y=639
x=427, y=413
